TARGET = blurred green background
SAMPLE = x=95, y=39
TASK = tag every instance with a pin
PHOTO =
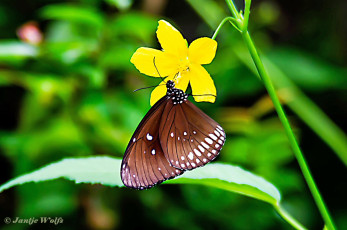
x=66, y=91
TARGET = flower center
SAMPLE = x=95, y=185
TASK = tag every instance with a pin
x=183, y=65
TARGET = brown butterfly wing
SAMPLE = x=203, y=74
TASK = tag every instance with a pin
x=144, y=164
x=189, y=138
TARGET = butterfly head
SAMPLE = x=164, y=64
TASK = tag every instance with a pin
x=170, y=84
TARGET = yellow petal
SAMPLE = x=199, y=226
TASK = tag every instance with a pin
x=202, y=84
x=171, y=40
x=158, y=93
x=202, y=50
x=160, y=90
x=144, y=59
x=181, y=82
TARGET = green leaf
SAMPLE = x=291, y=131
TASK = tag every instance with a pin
x=120, y=4
x=73, y=13
x=308, y=71
x=233, y=179
x=102, y=170
x=208, y=10
x=15, y=49
x=105, y=170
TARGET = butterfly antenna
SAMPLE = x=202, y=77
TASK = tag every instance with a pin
x=147, y=87
x=158, y=70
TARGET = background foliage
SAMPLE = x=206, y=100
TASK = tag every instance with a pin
x=71, y=95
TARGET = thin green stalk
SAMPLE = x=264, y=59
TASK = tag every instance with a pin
x=298, y=154
x=232, y=8
x=247, y=12
x=289, y=218
x=232, y=20
x=272, y=93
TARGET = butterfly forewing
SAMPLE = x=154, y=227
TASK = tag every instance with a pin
x=189, y=138
x=144, y=163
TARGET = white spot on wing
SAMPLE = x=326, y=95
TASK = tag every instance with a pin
x=153, y=151
x=220, y=142
x=159, y=169
x=221, y=132
x=191, y=155
x=205, y=145
x=185, y=133
x=197, y=152
x=201, y=148
x=182, y=157
x=214, y=151
x=183, y=165
x=194, y=132
x=204, y=160
x=197, y=161
x=134, y=139
x=217, y=133
x=172, y=134
x=217, y=146
x=213, y=136
x=209, y=154
x=193, y=164
x=208, y=140
x=149, y=137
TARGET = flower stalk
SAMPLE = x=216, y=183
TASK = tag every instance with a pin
x=281, y=114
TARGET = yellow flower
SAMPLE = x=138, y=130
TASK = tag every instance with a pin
x=178, y=62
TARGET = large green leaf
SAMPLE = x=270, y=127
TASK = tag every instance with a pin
x=105, y=170
x=232, y=178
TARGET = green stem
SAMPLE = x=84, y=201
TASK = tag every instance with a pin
x=232, y=20
x=289, y=218
x=247, y=11
x=272, y=93
x=232, y=8
x=297, y=151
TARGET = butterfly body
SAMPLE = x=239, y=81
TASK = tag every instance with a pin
x=174, y=136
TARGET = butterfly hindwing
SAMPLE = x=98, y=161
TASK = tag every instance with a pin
x=189, y=138
x=144, y=164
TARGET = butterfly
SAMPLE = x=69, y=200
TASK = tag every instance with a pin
x=173, y=137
